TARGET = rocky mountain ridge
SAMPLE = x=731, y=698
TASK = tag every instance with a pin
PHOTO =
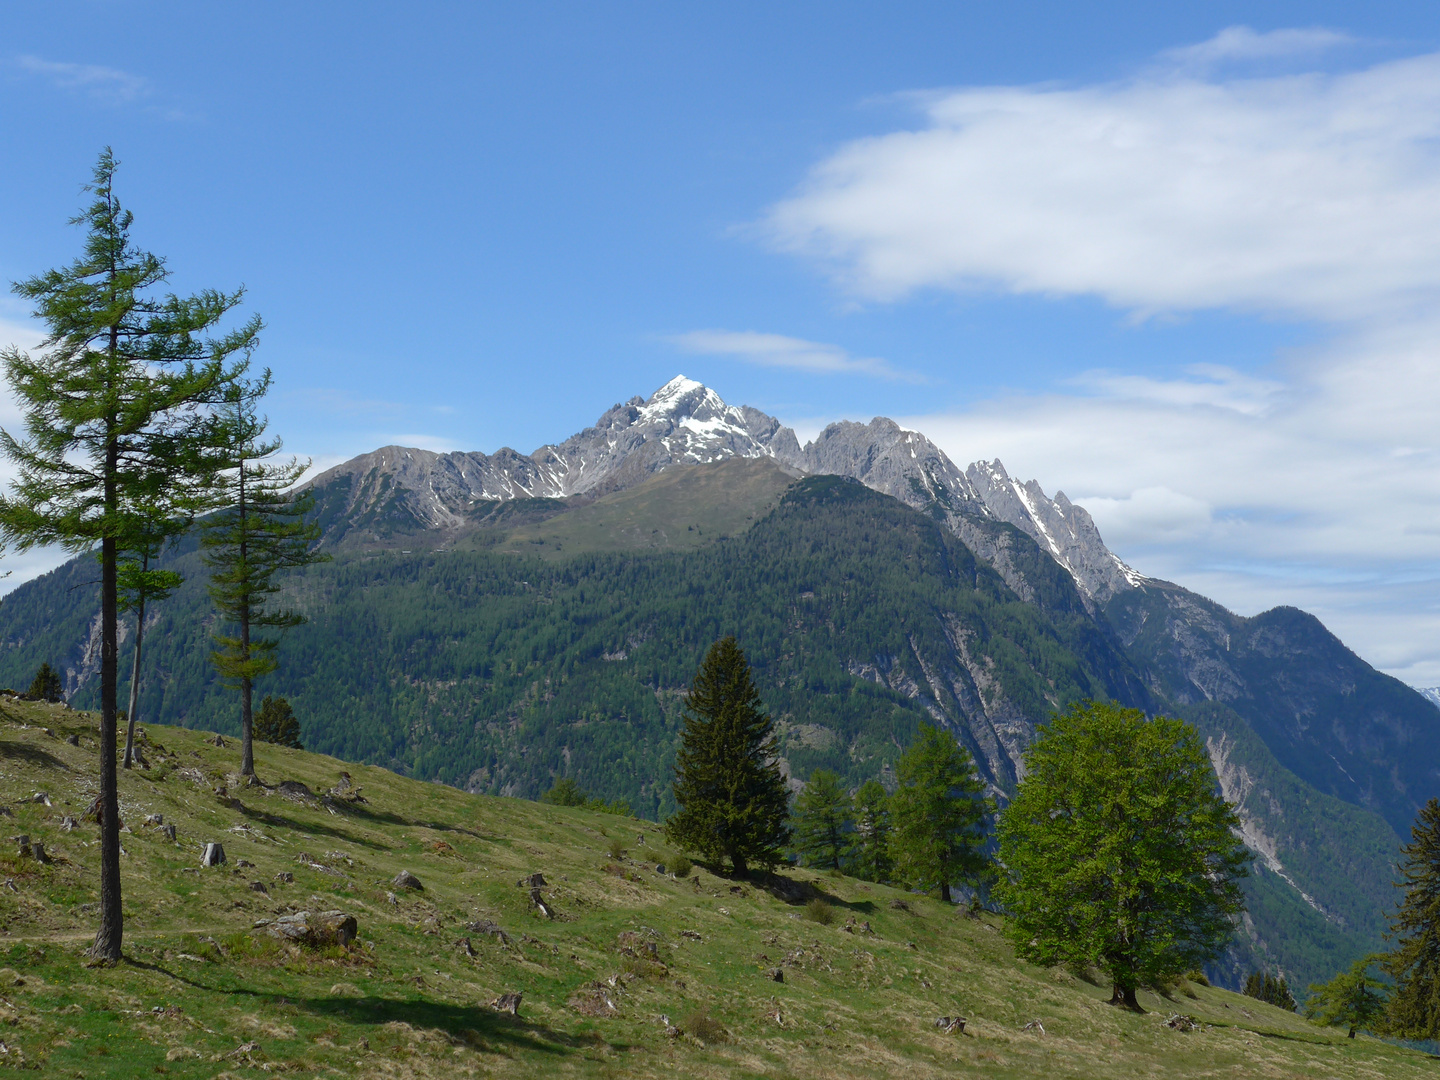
x=685, y=422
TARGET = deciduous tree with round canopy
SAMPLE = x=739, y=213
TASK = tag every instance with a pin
x=1118, y=851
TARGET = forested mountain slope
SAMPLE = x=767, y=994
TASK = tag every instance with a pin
x=1327, y=716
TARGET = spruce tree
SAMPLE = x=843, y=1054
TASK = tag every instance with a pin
x=1415, y=928
x=276, y=724
x=822, y=821
x=45, y=686
x=1118, y=851
x=732, y=798
x=117, y=406
x=261, y=531
x=938, y=814
x=871, y=853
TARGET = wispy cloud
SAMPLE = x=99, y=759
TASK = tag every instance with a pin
x=1238, y=43
x=1314, y=195
x=1212, y=385
x=108, y=85
x=777, y=350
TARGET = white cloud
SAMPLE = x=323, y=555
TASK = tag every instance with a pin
x=776, y=350
x=104, y=84
x=1315, y=195
x=1215, y=386
x=1238, y=43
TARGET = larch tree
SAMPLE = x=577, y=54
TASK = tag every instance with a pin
x=140, y=584
x=870, y=855
x=823, y=820
x=261, y=532
x=1354, y=999
x=733, y=801
x=1118, y=851
x=1415, y=929
x=119, y=408
x=938, y=814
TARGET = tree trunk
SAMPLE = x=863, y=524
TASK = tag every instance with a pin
x=1124, y=996
x=1352, y=1034
x=945, y=891
x=247, y=745
x=135, y=677
x=109, y=936
x=738, y=862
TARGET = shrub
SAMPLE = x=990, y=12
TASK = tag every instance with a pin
x=615, y=850
x=680, y=866
x=819, y=911
x=705, y=1027
x=565, y=793
x=1197, y=977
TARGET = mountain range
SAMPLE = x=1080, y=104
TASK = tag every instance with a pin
x=498, y=621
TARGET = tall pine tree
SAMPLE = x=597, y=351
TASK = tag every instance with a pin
x=938, y=814
x=1415, y=928
x=823, y=820
x=117, y=409
x=871, y=853
x=261, y=531
x=732, y=798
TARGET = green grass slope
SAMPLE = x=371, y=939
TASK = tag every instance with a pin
x=676, y=510
x=202, y=994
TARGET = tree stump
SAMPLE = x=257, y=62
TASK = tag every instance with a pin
x=169, y=832
x=507, y=1003
x=214, y=855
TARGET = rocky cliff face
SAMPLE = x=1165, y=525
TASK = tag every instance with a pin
x=405, y=490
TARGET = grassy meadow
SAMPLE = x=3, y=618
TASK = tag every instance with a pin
x=638, y=974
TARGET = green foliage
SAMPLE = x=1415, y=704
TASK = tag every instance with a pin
x=819, y=910
x=1119, y=853
x=870, y=855
x=45, y=686
x=118, y=409
x=276, y=723
x=680, y=866
x=565, y=792
x=1355, y=998
x=260, y=532
x=1269, y=989
x=822, y=821
x=1415, y=961
x=732, y=798
x=938, y=814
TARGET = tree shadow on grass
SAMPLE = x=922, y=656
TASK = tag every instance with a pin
x=459, y=1023
x=281, y=821
x=799, y=891
x=387, y=817
x=456, y=1021
x=31, y=754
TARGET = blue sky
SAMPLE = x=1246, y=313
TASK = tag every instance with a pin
x=1137, y=251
